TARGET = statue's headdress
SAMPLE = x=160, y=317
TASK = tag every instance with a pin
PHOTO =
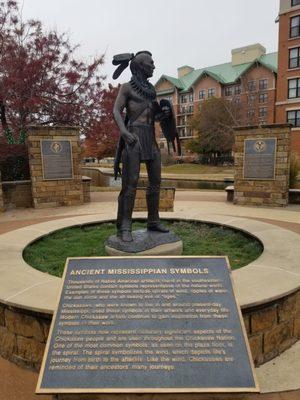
x=123, y=60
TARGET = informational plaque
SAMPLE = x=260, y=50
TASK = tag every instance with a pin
x=147, y=324
x=259, y=159
x=57, y=159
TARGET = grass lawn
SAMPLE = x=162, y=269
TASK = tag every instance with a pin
x=49, y=253
x=187, y=168
x=196, y=169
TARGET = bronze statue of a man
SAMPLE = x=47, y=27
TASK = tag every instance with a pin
x=137, y=142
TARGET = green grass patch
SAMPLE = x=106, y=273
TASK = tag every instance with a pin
x=49, y=253
x=186, y=168
x=191, y=168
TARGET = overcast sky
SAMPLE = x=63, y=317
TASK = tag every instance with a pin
x=199, y=33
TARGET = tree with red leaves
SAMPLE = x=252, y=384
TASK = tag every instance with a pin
x=101, y=138
x=41, y=81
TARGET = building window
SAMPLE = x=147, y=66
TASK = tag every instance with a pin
x=263, y=97
x=263, y=84
x=293, y=88
x=251, y=113
x=182, y=121
x=294, y=57
x=295, y=3
x=181, y=132
x=295, y=26
x=190, y=109
x=251, y=86
x=293, y=117
x=182, y=109
x=183, y=98
x=228, y=91
x=191, y=98
x=201, y=94
x=211, y=92
x=237, y=100
x=189, y=132
x=251, y=98
x=263, y=112
x=238, y=89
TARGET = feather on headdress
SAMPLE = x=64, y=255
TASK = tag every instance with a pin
x=122, y=60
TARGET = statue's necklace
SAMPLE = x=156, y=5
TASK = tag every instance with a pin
x=144, y=89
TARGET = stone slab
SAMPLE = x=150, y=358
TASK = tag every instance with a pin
x=147, y=325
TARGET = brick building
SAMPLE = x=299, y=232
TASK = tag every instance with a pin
x=249, y=80
x=288, y=80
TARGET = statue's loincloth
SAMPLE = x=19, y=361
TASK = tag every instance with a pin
x=146, y=135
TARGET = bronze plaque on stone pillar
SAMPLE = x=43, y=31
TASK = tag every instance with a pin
x=262, y=165
x=260, y=157
x=56, y=159
x=147, y=325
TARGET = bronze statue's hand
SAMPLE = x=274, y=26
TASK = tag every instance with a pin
x=129, y=138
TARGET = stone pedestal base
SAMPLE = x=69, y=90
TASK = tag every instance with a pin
x=145, y=243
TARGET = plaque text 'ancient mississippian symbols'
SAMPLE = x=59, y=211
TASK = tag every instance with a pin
x=149, y=325
x=57, y=159
x=259, y=161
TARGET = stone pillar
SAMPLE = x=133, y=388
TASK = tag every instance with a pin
x=262, y=165
x=54, y=160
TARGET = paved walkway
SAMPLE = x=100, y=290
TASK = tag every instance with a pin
x=17, y=383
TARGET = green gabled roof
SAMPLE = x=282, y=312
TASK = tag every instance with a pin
x=176, y=82
x=270, y=61
x=223, y=73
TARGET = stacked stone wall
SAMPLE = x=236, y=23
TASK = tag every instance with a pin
x=59, y=192
x=23, y=336
x=166, y=201
x=273, y=192
x=271, y=328
x=17, y=194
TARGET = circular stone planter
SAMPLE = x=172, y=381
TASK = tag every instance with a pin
x=267, y=289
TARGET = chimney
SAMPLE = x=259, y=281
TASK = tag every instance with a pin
x=186, y=69
x=247, y=54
